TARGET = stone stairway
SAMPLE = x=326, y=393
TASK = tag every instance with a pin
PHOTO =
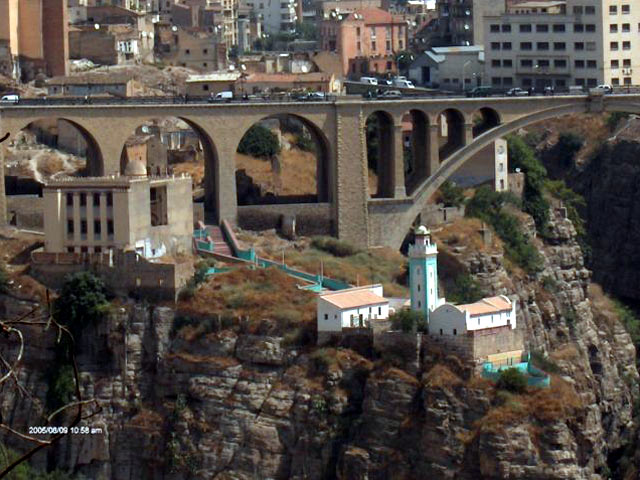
x=219, y=243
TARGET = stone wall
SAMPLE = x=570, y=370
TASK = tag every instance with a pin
x=25, y=211
x=311, y=218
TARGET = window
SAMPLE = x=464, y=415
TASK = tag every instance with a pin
x=615, y=81
x=96, y=199
x=418, y=287
x=577, y=10
x=627, y=80
x=205, y=87
x=187, y=52
x=440, y=331
x=69, y=249
x=204, y=64
x=97, y=228
x=83, y=199
x=506, y=28
x=379, y=310
x=615, y=64
x=507, y=63
x=543, y=63
x=613, y=10
x=358, y=31
x=526, y=63
x=626, y=9
x=626, y=27
x=388, y=45
x=626, y=62
x=613, y=28
x=507, y=81
x=626, y=45
x=578, y=27
x=109, y=227
x=496, y=81
x=526, y=46
x=495, y=63
x=560, y=63
x=455, y=331
x=579, y=64
x=373, y=46
x=495, y=28
x=83, y=227
x=591, y=46
x=506, y=46
x=590, y=10
x=205, y=51
x=559, y=46
x=70, y=227
x=613, y=46
x=495, y=45
x=525, y=28
x=70, y=199
x=592, y=64
x=542, y=28
x=590, y=28
x=326, y=316
x=578, y=46
x=109, y=199
x=559, y=28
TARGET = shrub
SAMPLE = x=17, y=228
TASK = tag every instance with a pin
x=523, y=157
x=408, y=321
x=334, y=246
x=629, y=319
x=572, y=201
x=549, y=284
x=543, y=362
x=83, y=300
x=259, y=141
x=451, y=194
x=488, y=205
x=305, y=143
x=568, y=145
x=614, y=118
x=62, y=386
x=25, y=471
x=323, y=359
x=465, y=290
x=512, y=380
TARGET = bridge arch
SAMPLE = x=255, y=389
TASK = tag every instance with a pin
x=380, y=143
x=177, y=144
x=451, y=132
x=484, y=119
x=307, y=142
x=95, y=165
x=415, y=143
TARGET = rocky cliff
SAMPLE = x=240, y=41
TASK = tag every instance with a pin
x=229, y=403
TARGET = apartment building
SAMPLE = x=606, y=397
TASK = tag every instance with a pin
x=276, y=15
x=562, y=43
x=366, y=40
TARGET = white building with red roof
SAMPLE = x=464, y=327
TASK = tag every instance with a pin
x=488, y=313
x=351, y=308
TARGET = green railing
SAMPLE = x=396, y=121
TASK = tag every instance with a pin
x=535, y=376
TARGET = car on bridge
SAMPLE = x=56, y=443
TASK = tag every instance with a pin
x=11, y=99
x=480, y=92
x=517, y=92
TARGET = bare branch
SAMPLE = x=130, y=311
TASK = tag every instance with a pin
x=20, y=352
x=23, y=436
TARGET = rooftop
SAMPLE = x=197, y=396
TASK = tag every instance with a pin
x=288, y=77
x=214, y=77
x=93, y=79
x=487, y=305
x=354, y=297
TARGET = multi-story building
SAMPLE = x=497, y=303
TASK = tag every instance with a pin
x=36, y=35
x=191, y=48
x=276, y=15
x=563, y=43
x=366, y=40
x=460, y=21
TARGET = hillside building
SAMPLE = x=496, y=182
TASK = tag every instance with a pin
x=35, y=35
x=563, y=43
x=351, y=308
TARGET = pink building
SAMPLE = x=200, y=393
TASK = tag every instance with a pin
x=365, y=40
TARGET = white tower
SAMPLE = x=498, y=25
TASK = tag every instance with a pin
x=423, y=272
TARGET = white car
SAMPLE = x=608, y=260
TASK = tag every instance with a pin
x=403, y=83
x=517, y=92
x=606, y=88
x=10, y=99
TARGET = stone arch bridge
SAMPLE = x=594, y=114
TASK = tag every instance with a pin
x=356, y=216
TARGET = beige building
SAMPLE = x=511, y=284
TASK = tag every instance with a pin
x=87, y=84
x=151, y=215
x=191, y=48
x=211, y=83
x=576, y=42
x=35, y=32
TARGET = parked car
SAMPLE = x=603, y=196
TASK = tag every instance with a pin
x=480, y=92
x=390, y=94
x=604, y=88
x=221, y=96
x=369, y=80
x=403, y=83
x=517, y=92
x=576, y=89
x=385, y=81
x=310, y=96
x=11, y=99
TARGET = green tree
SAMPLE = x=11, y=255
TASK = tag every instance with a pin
x=522, y=156
x=408, y=320
x=451, y=194
x=404, y=59
x=83, y=300
x=512, y=380
x=259, y=141
x=307, y=31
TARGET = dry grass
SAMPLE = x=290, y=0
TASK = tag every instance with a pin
x=220, y=362
x=257, y=294
x=466, y=232
x=542, y=405
x=603, y=307
x=401, y=375
x=193, y=169
x=441, y=377
x=567, y=353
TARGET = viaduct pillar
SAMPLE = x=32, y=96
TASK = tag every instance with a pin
x=434, y=148
x=351, y=184
x=468, y=134
x=397, y=168
x=3, y=198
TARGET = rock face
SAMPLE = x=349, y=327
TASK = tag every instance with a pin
x=610, y=182
x=232, y=404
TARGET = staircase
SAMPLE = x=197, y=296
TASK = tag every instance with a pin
x=219, y=244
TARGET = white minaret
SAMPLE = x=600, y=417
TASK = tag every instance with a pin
x=423, y=272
